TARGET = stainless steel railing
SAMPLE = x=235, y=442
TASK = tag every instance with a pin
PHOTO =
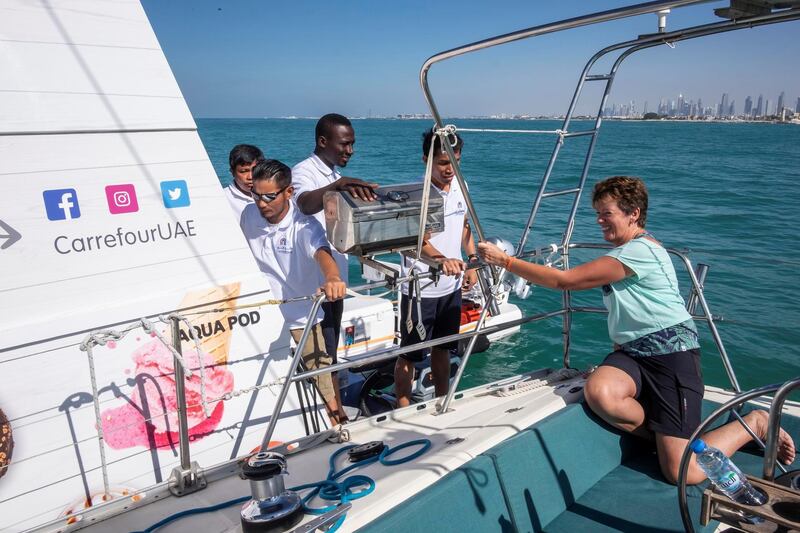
x=770, y=448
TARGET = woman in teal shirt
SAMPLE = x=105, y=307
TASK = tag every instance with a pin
x=651, y=384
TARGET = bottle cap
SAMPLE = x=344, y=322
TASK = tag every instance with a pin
x=698, y=446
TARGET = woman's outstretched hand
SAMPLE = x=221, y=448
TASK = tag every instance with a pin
x=492, y=254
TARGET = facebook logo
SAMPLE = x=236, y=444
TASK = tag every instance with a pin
x=61, y=204
x=175, y=193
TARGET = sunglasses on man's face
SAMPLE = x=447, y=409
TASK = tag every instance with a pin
x=268, y=196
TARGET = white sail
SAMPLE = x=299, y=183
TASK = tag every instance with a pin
x=110, y=211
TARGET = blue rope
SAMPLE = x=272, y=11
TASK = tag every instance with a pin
x=327, y=489
x=424, y=444
x=196, y=510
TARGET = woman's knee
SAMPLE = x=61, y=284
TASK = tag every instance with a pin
x=603, y=390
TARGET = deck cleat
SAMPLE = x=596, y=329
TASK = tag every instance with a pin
x=273, y=508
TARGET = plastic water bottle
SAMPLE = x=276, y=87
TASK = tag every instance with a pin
x=725, y=475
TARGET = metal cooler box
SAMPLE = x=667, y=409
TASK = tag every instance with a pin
x=389, y=223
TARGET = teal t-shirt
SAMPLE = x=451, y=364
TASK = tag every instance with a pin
x=647, y=301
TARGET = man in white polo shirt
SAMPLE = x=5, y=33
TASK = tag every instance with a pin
x=292, y=250
x=311, y=179
x=440, y=305
x=242, y=159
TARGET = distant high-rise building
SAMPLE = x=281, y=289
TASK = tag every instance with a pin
x=760, y=106
x=644, y=111
x=779, y=109
x=680, y=104
x=732, y=108
x=723, y=105
x=748, y=106
x=797, y=106
x=768, y=108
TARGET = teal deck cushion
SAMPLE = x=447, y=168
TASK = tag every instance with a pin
x=568, y=472
x=468, y=499
x=541, y=472
x=633, y=497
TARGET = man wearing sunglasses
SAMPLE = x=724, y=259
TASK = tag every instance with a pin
x=311, y=179
x=292, y=250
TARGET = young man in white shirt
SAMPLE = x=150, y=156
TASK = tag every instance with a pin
x=440, y=304
x=242, y=159
x=311, y=179
x=292, y=250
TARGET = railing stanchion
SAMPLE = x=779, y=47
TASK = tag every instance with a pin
x=701, y=273
x=273, y=421
x=774, y=428
x=451, y=391
x=180, y=395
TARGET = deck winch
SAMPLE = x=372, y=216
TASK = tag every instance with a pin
x=388, y=224
x=272, y=508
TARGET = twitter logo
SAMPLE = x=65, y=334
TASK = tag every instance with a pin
x=175, y=193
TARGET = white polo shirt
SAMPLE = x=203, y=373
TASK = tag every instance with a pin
x=237, y=199
x=448, y=242
x=285, y=253
x=309, y=175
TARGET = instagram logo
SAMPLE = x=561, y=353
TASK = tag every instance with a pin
x=121, y=198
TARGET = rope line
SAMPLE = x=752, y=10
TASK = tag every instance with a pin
x=328, y=488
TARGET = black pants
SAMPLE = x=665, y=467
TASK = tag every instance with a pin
x=331, y=326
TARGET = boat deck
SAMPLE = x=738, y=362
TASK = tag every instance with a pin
x=479, y=421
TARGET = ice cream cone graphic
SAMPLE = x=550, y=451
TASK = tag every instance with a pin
x=211, y=326
x=149, y=418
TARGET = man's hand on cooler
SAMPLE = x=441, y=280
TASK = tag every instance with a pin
x=357, y=188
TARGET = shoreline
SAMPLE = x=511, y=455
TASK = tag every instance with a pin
x=537, y=119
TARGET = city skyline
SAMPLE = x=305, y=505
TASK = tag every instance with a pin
x=751, y=105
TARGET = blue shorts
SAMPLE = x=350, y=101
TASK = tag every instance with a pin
x=441, y=317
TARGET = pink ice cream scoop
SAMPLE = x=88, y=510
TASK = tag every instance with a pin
x=153, y=420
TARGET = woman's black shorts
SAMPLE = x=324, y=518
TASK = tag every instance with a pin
x=669, y=387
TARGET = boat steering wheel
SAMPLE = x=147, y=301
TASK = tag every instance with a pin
x=782, y=388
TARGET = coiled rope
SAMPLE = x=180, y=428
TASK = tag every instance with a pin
x=327, y=489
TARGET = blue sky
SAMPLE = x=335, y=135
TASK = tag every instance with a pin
x=236, y=58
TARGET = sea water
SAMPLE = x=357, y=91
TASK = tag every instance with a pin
x=728, y=192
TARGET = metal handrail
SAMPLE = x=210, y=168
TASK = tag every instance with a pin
x=385, y=354
x=451, y=390
x=628, y=48
x=687, y=453
x=586, y=20
x=298, y=353
x=604, y=16
x=774, y=427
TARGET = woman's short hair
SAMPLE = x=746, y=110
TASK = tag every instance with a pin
x=628, y=191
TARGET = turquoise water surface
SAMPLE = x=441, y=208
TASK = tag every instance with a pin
x=727, y=192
